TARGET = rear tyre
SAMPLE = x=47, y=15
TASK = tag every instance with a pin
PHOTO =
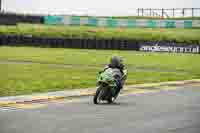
x=110, y=96
x=110, y=100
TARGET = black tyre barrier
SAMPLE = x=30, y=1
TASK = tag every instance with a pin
x=6, y=19
x=1, y=41
x=114, y=44
x=13, y=19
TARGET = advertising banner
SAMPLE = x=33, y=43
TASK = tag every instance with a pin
x=179, y=23
x=152, y=24
x=92, y=21
x=187, y=23
x=122, y=22
x=131, y=23
x=102, y=22
x=75, y=20
x=195, y=23
x=170, y=24
x=141, y=23
x=113, y=22
x=169, y=47
x=54, y=20
x=67, y=20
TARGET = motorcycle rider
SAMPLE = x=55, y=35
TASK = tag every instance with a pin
x=117, y=63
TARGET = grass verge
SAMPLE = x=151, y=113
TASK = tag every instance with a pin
x=189, y=36
x=78, y=68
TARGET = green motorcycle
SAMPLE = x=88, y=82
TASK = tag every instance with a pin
x=107, y=85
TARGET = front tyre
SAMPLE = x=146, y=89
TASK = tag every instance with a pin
x=98, y=96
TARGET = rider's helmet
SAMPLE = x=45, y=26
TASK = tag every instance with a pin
x=116, y=62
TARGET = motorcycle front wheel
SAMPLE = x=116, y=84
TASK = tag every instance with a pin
x=98, y=96
x=103, y=94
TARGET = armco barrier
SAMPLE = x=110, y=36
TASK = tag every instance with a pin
x=113, y=22
x=112, y=44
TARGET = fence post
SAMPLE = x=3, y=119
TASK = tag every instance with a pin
x=173, y=12
x=142, y=12
x=192, y=12
x=183, y=12
x=150, y=12
x=162, y=13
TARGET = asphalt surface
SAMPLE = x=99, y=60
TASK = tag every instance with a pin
x=174, y=111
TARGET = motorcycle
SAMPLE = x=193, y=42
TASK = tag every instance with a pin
x=107, y=83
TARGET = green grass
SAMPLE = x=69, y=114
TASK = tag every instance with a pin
x=189, y=36
x=81, y=67
x=171, y=61
x=19, y=79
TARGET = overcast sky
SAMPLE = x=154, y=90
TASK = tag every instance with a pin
x=92, y=7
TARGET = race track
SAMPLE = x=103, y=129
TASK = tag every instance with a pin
x=172, y=111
